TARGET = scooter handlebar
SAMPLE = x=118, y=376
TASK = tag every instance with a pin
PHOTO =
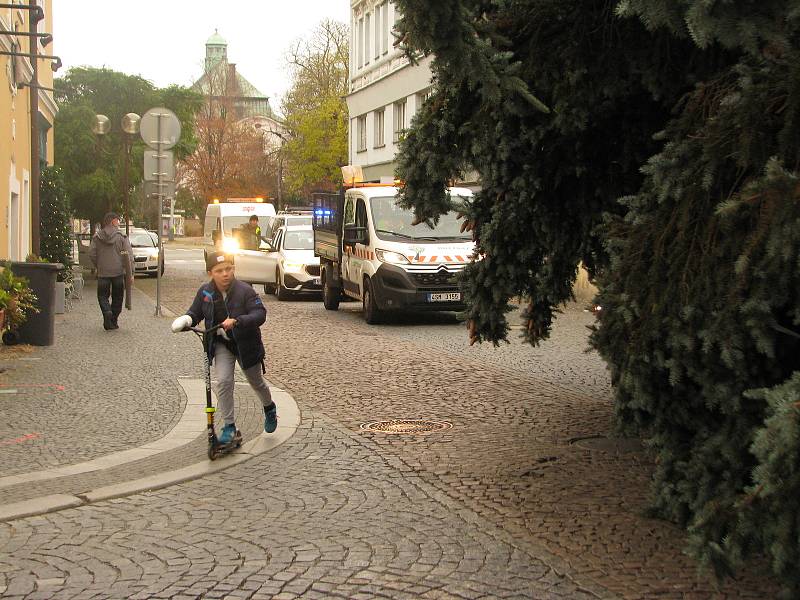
x=182, y=323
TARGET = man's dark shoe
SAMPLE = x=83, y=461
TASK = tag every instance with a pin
x=270, y=418
x=108, y=322
x=114, y=324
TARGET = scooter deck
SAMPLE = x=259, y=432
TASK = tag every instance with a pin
x=216, y=449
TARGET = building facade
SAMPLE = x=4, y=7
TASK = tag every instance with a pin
x=15, y=126
x=386, y=90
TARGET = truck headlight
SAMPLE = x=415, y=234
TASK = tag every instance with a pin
x=230, y=245
x=391, y=257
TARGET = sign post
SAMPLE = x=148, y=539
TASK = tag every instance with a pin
x=160, y=130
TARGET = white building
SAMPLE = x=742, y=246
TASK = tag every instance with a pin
x=386, y=90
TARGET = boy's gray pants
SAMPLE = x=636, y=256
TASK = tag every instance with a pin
x=224, y=364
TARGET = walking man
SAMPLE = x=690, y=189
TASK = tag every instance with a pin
x=237, y=307
x=112, y=257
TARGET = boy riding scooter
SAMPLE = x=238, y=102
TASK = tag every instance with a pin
x=238, y=311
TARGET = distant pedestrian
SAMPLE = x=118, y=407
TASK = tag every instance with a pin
x=252, y=234
x=237, y=307
x=112, y=257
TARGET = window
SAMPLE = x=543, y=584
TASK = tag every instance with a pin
x=385, y=27
x=399, y=119
x=361, y=132
x=378, y=30
x=422, y=96
x=360, y=48
x=299, y=240
x=349, y=212
x=379, y=128
x=361, y=219
x=366, y=38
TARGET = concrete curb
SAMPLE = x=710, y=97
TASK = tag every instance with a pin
x=289, y=421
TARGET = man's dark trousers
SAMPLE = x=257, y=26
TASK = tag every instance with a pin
x=115, y=287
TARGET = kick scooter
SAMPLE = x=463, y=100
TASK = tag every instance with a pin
x=215, y=448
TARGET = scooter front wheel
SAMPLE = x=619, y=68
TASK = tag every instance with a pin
x=212, y=453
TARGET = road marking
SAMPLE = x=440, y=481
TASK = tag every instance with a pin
x=19, y=440
x=53, y=386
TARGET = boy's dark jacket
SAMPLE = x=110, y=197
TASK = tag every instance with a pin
x=244, y=305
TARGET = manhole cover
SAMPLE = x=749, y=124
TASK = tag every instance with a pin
x=413, y=426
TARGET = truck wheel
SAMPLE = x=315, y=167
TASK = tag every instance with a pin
x=281, y=292
x=330, y=294
x=372, y=314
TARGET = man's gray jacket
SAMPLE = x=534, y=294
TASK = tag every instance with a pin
x=110, y=251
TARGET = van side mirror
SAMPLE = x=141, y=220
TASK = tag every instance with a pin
x=215, y=235
x=354, y=235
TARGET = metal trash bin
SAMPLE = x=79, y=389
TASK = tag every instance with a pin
x=38, y=328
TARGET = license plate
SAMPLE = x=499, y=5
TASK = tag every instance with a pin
x=445, y=297
x=316, y=281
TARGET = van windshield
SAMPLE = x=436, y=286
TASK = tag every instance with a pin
x=393, y=223
x=229, y=223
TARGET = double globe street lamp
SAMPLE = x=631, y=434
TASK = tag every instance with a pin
x=130, y=127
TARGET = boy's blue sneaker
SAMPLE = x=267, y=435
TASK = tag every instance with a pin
x=227, y=434
x=270, y=418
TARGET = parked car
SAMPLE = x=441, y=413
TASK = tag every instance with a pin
x=283, y=218
x=146, y=255
x=287, y=266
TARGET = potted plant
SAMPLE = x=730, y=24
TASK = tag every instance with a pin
x=5, y=297
x=55, y=232
x=17, y=300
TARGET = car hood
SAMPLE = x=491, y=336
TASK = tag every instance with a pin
x=301, y=256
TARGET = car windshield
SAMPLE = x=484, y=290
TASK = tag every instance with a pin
x=302, y=239
x=141, y=240
x=393, y=223
x=229, y=223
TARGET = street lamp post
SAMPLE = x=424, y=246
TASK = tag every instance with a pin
x=130, y=127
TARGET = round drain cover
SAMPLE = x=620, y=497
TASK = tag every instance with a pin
x=413, y=426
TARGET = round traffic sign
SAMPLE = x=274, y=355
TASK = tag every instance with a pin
x=160, y=128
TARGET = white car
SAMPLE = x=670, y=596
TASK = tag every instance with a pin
x=291, y=264
x=145, y=251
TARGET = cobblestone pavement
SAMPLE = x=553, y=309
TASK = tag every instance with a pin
x=520, y=498
x=95, y=392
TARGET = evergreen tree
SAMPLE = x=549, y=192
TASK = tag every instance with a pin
x=689, y=111
x=55, y=232
x=554, y=103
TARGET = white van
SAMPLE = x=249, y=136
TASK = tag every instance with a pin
x=371, y=249
x=223, y=219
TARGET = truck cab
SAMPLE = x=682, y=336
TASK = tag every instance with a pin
x=371, y=250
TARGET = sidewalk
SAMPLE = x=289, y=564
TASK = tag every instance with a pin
x=106, y=413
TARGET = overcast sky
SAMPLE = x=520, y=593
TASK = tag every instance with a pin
x=164, y=40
